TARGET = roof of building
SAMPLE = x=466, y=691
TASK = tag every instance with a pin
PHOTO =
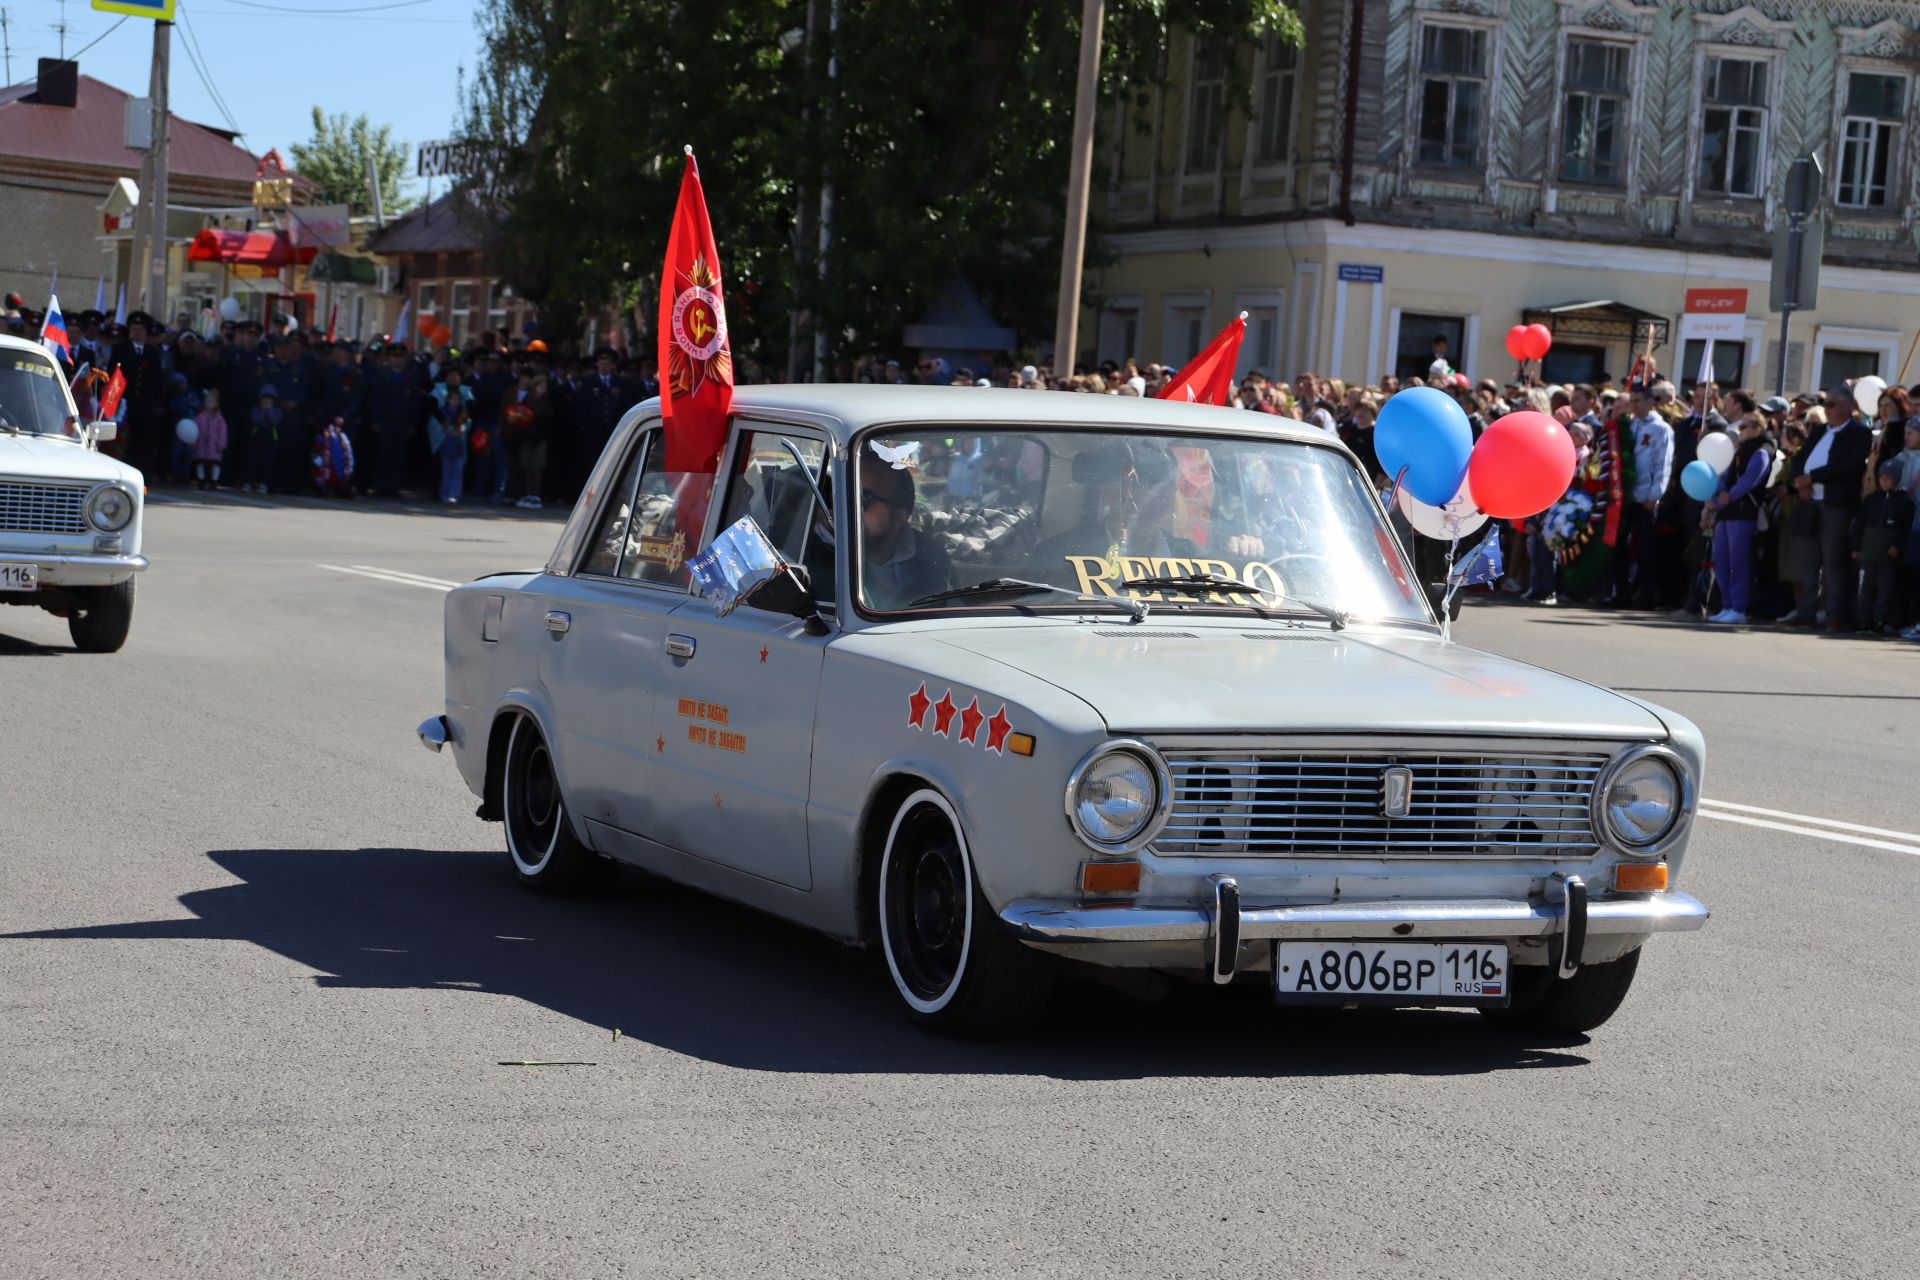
x=435, y=227
x=92, y=133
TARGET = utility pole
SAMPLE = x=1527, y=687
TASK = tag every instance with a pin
x=1073, y=247
x=156, y=286
x=803, y=231
x=821, y=344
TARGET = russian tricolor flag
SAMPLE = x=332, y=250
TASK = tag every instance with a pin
x=53, y=334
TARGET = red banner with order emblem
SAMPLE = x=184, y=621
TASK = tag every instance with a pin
x=696, y=362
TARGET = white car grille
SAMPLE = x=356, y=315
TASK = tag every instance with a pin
x=43, y=508
x=1332, y=804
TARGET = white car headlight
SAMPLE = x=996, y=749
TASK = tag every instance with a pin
x=109, y=508
x=1643, y=797
x=1117, y=798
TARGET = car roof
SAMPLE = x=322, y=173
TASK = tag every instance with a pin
x=7, y=340
x=848, y=408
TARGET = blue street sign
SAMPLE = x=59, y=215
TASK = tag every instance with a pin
x=1361, y=273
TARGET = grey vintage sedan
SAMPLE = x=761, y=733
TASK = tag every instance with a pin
x=985, y=680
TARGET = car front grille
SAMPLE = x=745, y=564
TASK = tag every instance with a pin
x=1332, y=804
x=43, y=508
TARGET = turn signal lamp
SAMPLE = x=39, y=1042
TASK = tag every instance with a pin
x=1640, y=877
x=1110, y=877
x=1021, y=744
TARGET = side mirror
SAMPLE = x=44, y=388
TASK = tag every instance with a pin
x=743, y=567
x=103, y=431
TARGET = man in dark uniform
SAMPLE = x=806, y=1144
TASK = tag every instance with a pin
x=291, y=372
x=143, y=364
x=598, y=406
x=241, y=366
x=343, y=395
x=393, y=406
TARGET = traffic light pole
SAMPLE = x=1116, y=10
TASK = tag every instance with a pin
x=1796, y=238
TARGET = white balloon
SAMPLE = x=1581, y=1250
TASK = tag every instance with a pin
x=188, y=430
x=1867, y=392
x=1458, y=518
x=229, y=308
x=1716, y=450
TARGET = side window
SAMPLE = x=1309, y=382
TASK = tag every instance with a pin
x=603, y=548
x=669, y=515
x=770, y=486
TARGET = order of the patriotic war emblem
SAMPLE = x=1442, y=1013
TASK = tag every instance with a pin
x=699, y=324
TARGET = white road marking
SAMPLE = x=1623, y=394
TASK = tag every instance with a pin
x=402, y=573
x=1816, y=832
x=1818, y=822
x=381, y=575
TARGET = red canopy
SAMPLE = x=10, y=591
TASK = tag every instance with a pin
x=269, y=249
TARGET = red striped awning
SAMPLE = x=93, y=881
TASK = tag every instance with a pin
x=269, y=249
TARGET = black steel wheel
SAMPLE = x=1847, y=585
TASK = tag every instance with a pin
x=102, y=617
x=953, y=965
x=540, y=839
x=1543, y=1001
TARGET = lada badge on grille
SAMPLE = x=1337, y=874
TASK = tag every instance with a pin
x=1396, y=791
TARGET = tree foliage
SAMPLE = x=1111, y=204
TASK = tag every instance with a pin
x=335, y=159
x=942, y=126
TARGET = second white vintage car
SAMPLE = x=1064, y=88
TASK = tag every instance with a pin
x=70, y=517
x=1015, y=677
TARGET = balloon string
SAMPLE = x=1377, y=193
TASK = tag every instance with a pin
x=1446, y=601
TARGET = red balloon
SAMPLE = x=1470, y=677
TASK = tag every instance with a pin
x=424, y=324
x=1539, y=341
x=1517, y=342
x=1520, y=466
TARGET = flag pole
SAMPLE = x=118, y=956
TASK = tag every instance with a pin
x=1073, y=246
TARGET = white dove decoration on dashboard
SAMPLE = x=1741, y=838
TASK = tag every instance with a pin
x=901, y=457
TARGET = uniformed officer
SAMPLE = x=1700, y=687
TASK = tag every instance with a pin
x=394, y=405
x=292, y=372
x=599, y=403
x=241, y=367
x=143, y=363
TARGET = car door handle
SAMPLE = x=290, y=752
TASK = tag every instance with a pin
x=558, y=622
x=679, y=646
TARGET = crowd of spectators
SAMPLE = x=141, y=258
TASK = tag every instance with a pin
x=1810, y=524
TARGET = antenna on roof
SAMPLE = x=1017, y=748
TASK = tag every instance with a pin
x=61, y=27
x=6, y=42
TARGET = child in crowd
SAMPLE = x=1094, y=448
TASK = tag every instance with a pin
x=263, y=441
x=211, y=446
x=333, y=461
x=447, y=431
x=183, y=405
x=1880, y=535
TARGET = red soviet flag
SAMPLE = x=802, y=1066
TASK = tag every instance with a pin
x=1208, y=377
x=696, y=365
x=116, y=387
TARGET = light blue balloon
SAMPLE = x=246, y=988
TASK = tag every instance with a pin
x=1699, y=480
x=1426, y=432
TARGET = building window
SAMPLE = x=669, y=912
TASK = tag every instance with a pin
x=1838, y=365
x=462, y=312
x=429, y=301
x=1733, y=141
x=1262, y=346
x=1453, y=87
x=1186, y=333
x=1593, y=137
x=1870, y=139
x=497, y=295
x=1119, y=332
x=1413, y=348
x=1279, y=64
x=1206, y=105
x=1729, y=363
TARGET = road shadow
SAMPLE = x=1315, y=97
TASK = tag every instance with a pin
x=407, y=504
x=14, y=647
x=720, y=982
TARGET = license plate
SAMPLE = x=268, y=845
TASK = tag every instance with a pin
x=1390, y=972
x=19, y=577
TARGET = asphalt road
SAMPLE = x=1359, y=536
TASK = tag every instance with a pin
x=258, y=963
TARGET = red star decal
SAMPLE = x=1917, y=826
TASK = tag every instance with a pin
x=763, y=655
x=943, y=715
x=917, y=707
x=970, y=721
x=660, y=745
x=997, y=730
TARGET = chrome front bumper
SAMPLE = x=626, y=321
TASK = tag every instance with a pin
x=78, y=569
x=1223, y=924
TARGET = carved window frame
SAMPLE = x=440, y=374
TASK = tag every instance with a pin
x=1901, y=177
x=1775, y=59
x=1125, y=114
x=1285, y=170
x=1210, y=182
x=1489, y=19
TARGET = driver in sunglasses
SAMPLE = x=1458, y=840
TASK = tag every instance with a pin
x=896, y=565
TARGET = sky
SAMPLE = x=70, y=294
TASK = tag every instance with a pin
x=273, y=61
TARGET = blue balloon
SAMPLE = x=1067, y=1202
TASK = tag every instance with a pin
x=1699, y=480
x=1426, y=432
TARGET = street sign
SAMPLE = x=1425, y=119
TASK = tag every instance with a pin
x=443, y=159
x=1715, y=313
x=159, y=10
x=321, y=226
x=1362, y=273
x=1802, y=291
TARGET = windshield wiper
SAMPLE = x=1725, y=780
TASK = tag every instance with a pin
x=1210, y=583
x=1021, y=586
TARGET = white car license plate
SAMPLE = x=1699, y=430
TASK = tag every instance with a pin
x=19, y=577
x=1431, y=972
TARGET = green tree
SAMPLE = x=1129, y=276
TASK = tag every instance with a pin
x=941, y=125
x=335, y=159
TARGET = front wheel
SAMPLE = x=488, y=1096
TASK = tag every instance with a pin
x=1543, y=1001
x=540, y=839
x=953, y=965
x=102, y=617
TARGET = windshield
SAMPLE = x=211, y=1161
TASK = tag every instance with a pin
x=31, y=397
x=942, y=509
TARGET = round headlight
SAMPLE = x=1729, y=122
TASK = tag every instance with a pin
x=109, y=508
x=1642, y=801
x=1116, y=797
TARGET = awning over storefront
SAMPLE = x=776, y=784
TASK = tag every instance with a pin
x=343, y=268
x=269, y=250
x=1601, y=321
